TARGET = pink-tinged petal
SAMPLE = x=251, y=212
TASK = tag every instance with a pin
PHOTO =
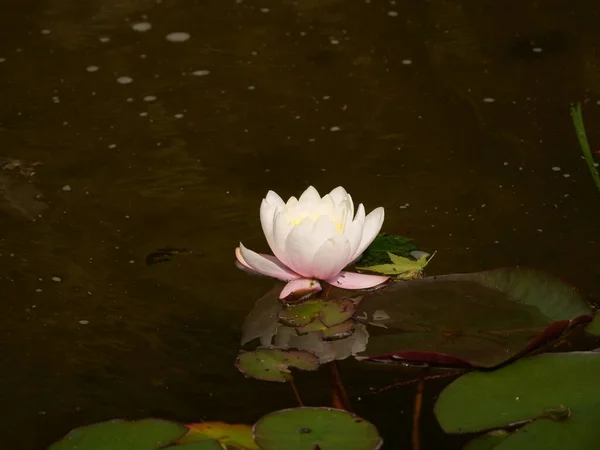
x=264, y=264
x=353, y=280
x=373, y=223
x=300, y=288
x=331, y=258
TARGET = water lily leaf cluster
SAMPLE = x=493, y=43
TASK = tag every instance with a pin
x=403, y=268
x=384, y=244
x=331, y=318
x=291, y=429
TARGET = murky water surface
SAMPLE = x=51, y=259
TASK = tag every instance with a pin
x=135, y=125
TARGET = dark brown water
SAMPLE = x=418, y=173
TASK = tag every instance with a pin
x=451, y=115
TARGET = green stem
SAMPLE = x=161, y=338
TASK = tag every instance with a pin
x=577, y=117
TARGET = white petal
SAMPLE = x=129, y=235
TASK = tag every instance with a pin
x=354, y=231
x=281, y=229
x=274, y=199
x=326, y=206
x=331, y=258
x=300, y=247
x=303, y=242
x=262, y=264
x=338, y=195
x=373, y=223
x=267, y=217
x=308, y=199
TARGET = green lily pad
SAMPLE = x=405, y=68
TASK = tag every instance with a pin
x=555, y=395
x=477, y=319
x=200, y=445
x=329, y=312
x=377, y=252
x=593, y=327
x=315, y=428
x=147, y=434
x=274, y=364
x=234, y=436
x=487, y=441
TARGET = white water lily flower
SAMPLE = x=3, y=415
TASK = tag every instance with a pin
x=313, y=239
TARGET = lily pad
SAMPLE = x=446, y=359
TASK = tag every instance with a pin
x=271, y=364
x=234, y=436
x=147, y=434
x=478, y=319
x=315, y=428
x=555, y=395
x=377, y=252
x=200, y=445
x=328, y=312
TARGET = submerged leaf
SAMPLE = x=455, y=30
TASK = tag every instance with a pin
x=315, y=428
x=274, y=364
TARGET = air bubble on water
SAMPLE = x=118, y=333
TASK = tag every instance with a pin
x=141, y=26
x=84, y=322
x=124, y=80
x=556, y=169
x=178, y=116
x=264, y=10
x=392, y=13
x=407, y=62
x=143, y=114
x=489, y=100
x=178, y=36
x=104, y=39
x=201, y=72
x=66, y=188
x=46, y=31
x=335, y=128
x=149, y=98
x=537, y=50
x=92, y=68
x=2, y=60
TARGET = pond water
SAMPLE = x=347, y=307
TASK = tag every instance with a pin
x=137, y=125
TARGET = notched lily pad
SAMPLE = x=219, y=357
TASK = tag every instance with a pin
x=315, y=428
x=147, y=434
x=234, y=436
x=274, y=364
x=328, y=312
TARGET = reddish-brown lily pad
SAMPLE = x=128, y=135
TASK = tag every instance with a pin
x=479, y=319
x=271, y=364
